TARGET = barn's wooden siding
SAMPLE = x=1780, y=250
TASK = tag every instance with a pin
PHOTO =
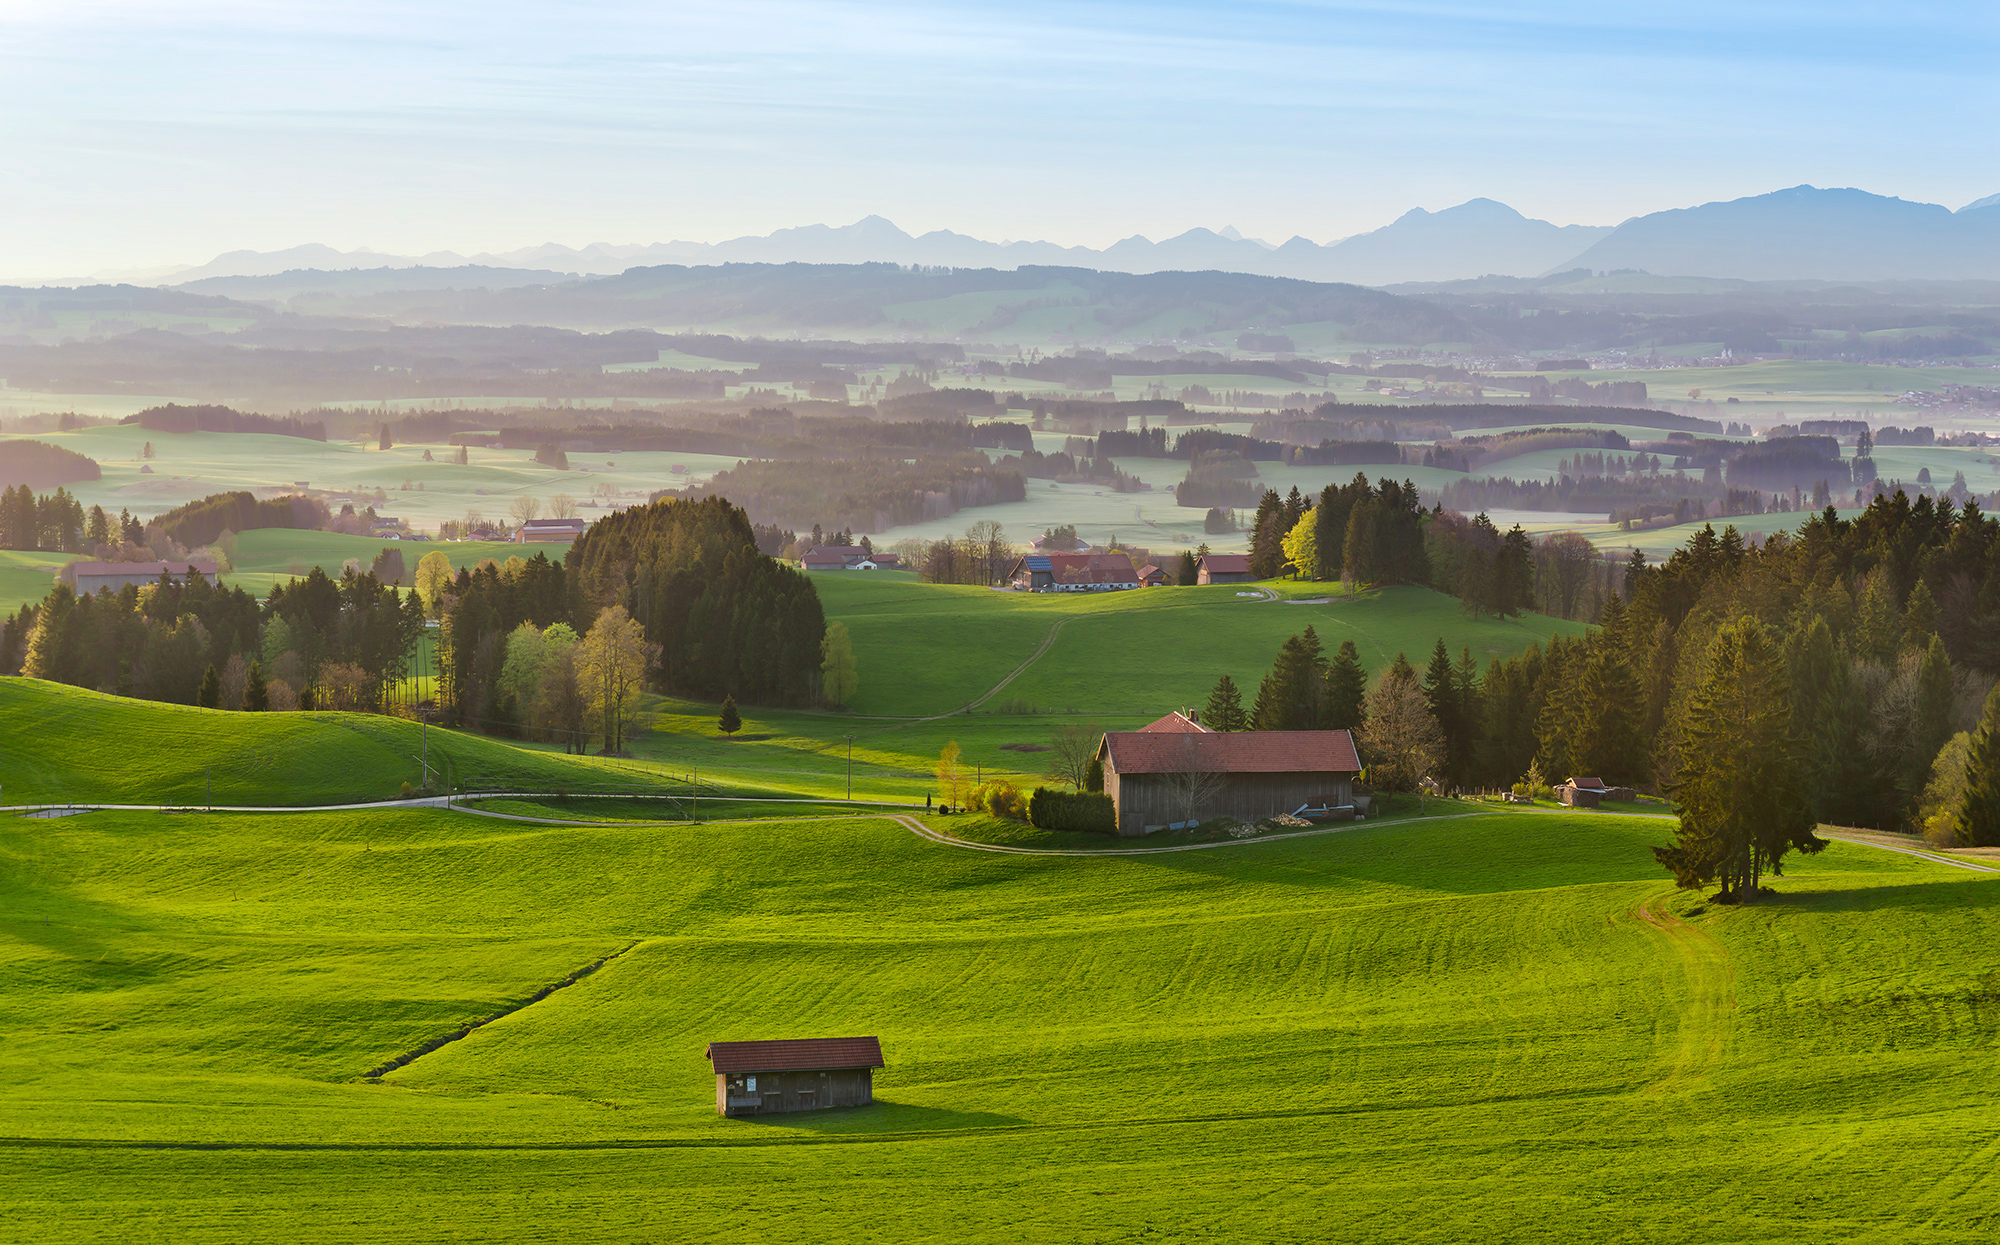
x=1148, y=799
x=792, y=1091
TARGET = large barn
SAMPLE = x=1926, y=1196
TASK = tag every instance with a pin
x=794, y=1074
x=1151, y=773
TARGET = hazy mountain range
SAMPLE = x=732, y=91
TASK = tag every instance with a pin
x=1802, y=233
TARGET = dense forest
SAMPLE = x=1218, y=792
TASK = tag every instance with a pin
x=861, y=494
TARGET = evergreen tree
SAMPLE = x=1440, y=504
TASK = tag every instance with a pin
x=1441, y=697
x=385, y=442
x=1929, y=726
x=1360, y=560
x=1093, y=775
x=1267, y=536
x=1557, y=718
x=1343, y=698
x=210, y=692
x=1465, y=681
x=1267, y=711
x=1919, y=618
x=730, y=722
x=256, y=689
x=1979, y=813
x=1612, y=742
x=1224, y=711
x=1742, y=803
x=1514, y=574
x=1189, y=571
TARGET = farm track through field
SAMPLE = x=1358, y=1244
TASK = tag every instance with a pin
x=409, y=1057
x=1710, y=1013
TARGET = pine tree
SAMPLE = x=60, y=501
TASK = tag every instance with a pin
x=1224, y=711
x=256, y=689
x=1929, y=727
x=1612, y=742
x=210, y=692
x=1441, y=696
x=1513, y=587
x=730, y=722
x=1742, y=802
x=1267, y=552
x=385, y=442
x=1344, y=694
x=1919, y=617
x=1267, y=713
x=1189, y=571
x=1979, y=814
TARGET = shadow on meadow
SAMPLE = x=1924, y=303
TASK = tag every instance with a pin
x=1936, y=895
x=883, y=1117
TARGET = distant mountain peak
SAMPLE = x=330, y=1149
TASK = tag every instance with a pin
x=1977, y=204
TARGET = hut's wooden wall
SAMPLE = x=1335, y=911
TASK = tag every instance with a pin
x=1148, y=799
x=793, y=1091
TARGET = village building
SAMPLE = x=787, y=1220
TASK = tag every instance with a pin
x=1152, y=575
x=848, y=558
x=1223, y=568
x=88, y=577
x=549, y=531
x=1151, y=773
x=794, y=1074
x=1073, y=572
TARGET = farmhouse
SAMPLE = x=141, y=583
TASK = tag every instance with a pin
x=795, y=1074
x=1073, y=572
x=847, y=558
x=1590, y=792
x=88, y=577
x=541, y=531
x=1151, y=774
x=1152, y=576
x=1223, y=568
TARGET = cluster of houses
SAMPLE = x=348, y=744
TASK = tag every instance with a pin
x=848, y=558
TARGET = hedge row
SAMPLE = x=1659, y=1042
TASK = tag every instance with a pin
x=1060, y=810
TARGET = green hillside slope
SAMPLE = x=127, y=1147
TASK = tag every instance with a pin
x=926, y=648
x=1502, y=1026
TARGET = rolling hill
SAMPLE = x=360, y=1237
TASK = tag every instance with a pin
x=1495, y=1026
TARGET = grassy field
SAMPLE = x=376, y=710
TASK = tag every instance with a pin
x=1492, y=1027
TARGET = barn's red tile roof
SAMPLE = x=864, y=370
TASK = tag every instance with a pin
x=796, y=1054
x=1231, y=752
x=1226, y=563
x=1174, y=723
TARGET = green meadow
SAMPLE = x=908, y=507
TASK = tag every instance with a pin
x=1477, y=1026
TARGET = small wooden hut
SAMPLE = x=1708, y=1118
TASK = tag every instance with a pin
x=794, y=1074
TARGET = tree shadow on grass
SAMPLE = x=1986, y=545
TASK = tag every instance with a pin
x=883, y=1117
x=1938, y=895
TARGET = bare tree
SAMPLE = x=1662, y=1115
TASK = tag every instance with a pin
x=523, y=509
x=1403, y=738
x=1074, y=747
x=562, y=506
x=1194, y=782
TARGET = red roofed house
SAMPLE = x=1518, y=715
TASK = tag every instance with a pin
x=1248, y=775
x=1224, y=568
x=1152, y=576
x=846, y=558
x=799, y=1074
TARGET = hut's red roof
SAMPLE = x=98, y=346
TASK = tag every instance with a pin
x=1588, y=784
x=1226, y=563
x=1231, y=752
x=796, y=1054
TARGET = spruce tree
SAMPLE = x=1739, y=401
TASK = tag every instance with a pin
x=1268, y=711
x=730, y=721
x=1344, y=691
x=1441, y=696
x=1742, y=802
x=1929, y=727
x=256, y=690
x=1612, y=742
x=1979, y=813
x=1267, y=535
x=1224, y=711
x=210, y=693
x=1189, y=572
x=1919, y=617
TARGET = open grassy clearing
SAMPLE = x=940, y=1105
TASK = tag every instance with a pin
x=1484, y=1027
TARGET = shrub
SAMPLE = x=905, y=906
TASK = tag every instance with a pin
x=1002, y=799
x=1062, y=810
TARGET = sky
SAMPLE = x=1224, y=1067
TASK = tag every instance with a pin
x=137, y=134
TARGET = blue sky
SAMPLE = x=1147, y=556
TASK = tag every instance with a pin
x=140, y=133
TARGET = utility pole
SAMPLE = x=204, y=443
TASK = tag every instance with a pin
x=850, y=769
x=427, y=747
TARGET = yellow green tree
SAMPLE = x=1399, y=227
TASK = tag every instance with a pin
x=839, y=679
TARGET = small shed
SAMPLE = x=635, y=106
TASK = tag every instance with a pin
x=1582, y=792
x=794, y=1074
